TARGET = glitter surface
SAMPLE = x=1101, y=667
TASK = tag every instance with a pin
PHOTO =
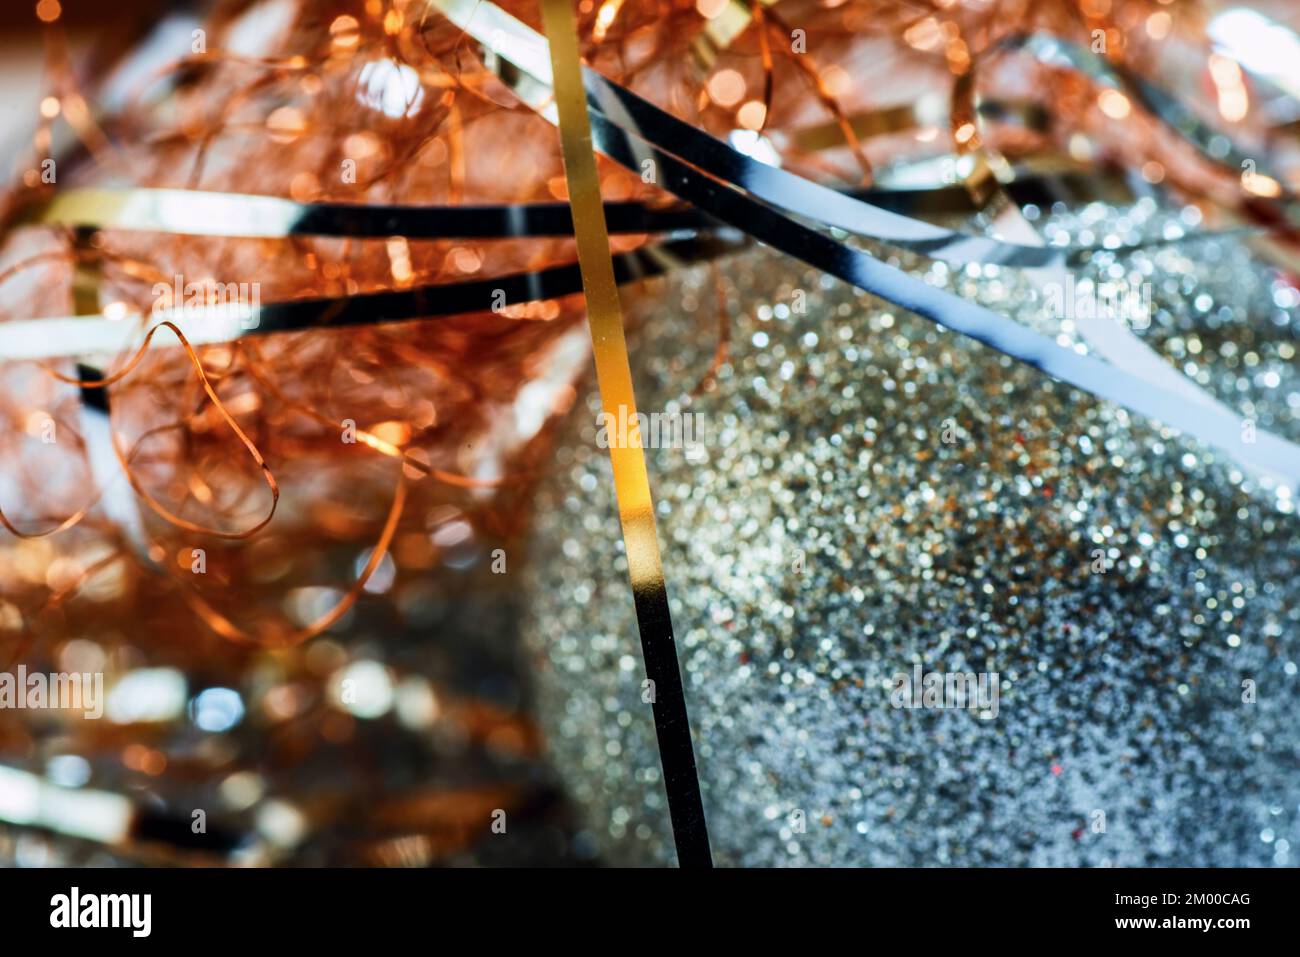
x=873, y=493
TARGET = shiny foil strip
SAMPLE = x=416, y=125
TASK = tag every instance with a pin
x=513, y=41
x=95, y=333
x=721, y=187
x=631, y=481
x=201, y=213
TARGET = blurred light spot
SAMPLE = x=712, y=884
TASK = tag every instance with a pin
x=836, y=81
x=399, y=258
x=217, y=709
x=284, y=702
x=147, y=694
x=1159, y=24
x=605, y=18
x=392, y=88
x=68, y=770
x=11, y=619
x=363, y=688
x=137, y=757
x=345, y=32
x=1080, y=148
x=465, y=260
x=37, y=424
x=81, y=654
x=726, y=87
x=1234, y=103
x=453, y=533
x=416, y=705
x=286, y=124
x=362, y=145
x=242, y=790
x=95, y=815
x=923, y=34
x=752, y=115
x=1262, y=185
x=381, y=580
x=394, y=433
x=281, y=823
x=116, y=311
x=306, y=605
x=1114, y=104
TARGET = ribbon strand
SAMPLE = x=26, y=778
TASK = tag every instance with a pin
x=631, y=482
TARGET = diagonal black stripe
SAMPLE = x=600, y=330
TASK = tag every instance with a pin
x=451, y=299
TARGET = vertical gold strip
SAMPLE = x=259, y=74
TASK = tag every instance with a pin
x=631, y=482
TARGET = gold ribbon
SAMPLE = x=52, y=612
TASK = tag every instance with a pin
x=631, y=482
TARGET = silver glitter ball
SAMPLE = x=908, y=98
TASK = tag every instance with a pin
x=868, y=499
